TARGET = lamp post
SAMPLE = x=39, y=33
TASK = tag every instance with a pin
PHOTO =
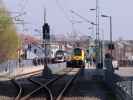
x=93, y=25
x=97, y=18
x=110, y=18
x=98, y=47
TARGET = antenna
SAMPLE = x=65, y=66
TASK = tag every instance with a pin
x=44, y=15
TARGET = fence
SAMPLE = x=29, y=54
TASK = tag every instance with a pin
x=10, y=68
x=13, y=68
x=122, y=87
x=126, y=63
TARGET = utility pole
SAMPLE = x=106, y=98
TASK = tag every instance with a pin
x=111, y=33
x=98, y=47
x=46, y=38
x=44, y=41
x=98, y=41
x=111, y=45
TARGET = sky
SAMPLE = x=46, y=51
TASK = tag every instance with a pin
x=59, y=16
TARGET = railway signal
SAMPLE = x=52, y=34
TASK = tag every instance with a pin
x=46, y=31
x=111, y=46
x=46, y=40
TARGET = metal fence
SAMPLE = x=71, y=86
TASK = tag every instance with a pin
x=9, y=68
x=13, y=68
x=122, y=87
x=126, y=63
x=126, y=86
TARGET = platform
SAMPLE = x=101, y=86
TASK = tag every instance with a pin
x=125, y=72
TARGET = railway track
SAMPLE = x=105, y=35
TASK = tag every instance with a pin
x=68, y=84
x=17, y=82
x=60, y=86
x=38, y=84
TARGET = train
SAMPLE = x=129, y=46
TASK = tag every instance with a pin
x=60, y=56
x=77, y=58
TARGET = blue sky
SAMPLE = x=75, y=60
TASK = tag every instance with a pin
x=58, y=13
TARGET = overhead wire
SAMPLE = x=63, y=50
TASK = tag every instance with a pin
x=66, y=16
x=18, y=19
x=23, y=6
x=63, y=10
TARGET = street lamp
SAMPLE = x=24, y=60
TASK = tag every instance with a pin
x=110, y=18
x=92, y=9
x=98, y=47
x=92, y=28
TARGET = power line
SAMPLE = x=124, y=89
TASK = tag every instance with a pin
x=23, y=5
x=85, y=19
x=66, y=16
x=63, y=10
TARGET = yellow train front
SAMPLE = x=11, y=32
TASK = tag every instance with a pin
x=77, y=59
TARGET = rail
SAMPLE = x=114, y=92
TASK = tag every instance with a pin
x=41, y=86
x=60, y=96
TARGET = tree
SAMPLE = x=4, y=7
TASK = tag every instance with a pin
x=9, y=41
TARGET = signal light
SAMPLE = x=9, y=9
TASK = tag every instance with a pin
x=111, y=46
x=46, y=31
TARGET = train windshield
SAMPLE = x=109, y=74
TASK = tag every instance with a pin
x=60, y=52
x=77, y=52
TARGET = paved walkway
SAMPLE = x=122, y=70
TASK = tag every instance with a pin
x=125, y=71
x=20, y=71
